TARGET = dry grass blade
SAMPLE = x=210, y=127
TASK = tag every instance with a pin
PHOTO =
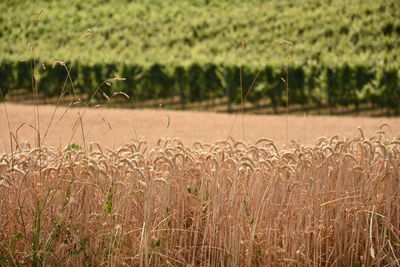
x=87, y=33
x=56, y=63
x=37, y=18
x=121, y=93
x=118, y=79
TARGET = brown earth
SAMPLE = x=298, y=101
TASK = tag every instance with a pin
x=114, y=127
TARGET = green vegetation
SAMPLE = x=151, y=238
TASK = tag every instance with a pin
x=73, y=147
x=343, y=54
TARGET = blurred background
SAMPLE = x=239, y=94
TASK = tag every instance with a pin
x=342, y=57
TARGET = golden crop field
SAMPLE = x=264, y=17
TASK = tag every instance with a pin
x=197, y=197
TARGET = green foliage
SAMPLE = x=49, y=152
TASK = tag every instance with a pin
x=109, y=201
x=188, y=49
x=194, y=191
x=156, y=244
x=73, y=147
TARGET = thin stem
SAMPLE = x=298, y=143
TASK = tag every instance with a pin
x=241, y=99
x=57, y=105
x=9, y=127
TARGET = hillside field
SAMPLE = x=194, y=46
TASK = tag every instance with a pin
x=340, y=54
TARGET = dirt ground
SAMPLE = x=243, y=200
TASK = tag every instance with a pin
x=114, y=127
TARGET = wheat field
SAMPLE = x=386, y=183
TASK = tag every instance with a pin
x=332, y=202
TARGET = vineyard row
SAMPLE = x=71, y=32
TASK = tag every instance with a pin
x=324, y=85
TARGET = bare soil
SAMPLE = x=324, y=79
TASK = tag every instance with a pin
x=114, y=127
